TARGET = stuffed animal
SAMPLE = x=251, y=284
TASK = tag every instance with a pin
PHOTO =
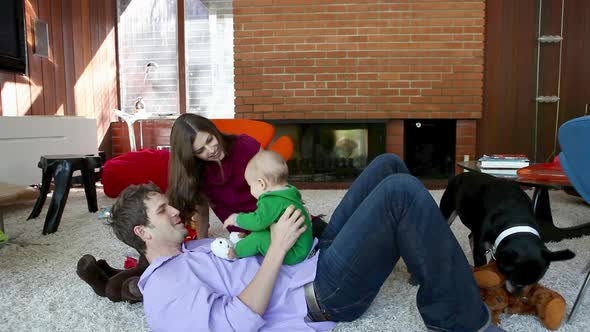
x=536, y=299
x=220, y=247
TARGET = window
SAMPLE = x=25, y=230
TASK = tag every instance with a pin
x=209, y=58
x=149, y=56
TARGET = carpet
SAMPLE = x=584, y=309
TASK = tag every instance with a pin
x=40, y=291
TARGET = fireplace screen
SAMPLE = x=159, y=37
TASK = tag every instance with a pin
x=332, y=152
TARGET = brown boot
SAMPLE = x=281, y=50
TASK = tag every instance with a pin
x=89, y=271
x=109, y=270
x=123, y=285
x=130, y=290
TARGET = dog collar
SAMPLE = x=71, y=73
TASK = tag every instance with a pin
x=513, y=230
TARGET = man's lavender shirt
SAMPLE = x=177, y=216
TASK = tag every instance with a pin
x=198, y=291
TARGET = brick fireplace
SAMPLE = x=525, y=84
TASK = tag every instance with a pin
x=363, y=60
x=360, y=60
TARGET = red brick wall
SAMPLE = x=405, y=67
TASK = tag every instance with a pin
x=394, y=142
x=465, y=140
x=310, y=59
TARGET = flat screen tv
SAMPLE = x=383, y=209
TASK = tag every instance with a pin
x=13, y=51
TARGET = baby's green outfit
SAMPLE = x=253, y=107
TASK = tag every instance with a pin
x=269, y=209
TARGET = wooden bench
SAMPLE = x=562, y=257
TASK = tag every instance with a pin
x=11, y=194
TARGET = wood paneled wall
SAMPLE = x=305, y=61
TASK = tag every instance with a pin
x=80, y=75
x=507, y=125
x=512, y=122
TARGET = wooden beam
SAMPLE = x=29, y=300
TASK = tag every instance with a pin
x=181, y=58
x=68, y=54
x=57, y=50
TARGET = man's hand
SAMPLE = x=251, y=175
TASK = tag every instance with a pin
x=283, y=235
x=287, y=229
x=230, y=221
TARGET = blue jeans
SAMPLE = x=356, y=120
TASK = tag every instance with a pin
x=387, y=214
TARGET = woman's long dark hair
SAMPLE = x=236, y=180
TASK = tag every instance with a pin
x=184, y=170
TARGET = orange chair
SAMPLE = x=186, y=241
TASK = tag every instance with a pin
x=261, y=131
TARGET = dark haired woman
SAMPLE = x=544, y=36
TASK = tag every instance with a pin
x=207, y=170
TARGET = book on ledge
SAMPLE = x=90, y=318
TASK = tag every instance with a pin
x=508, y=172
x=509, y=161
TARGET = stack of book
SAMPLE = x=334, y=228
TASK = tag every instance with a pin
x=503, y=164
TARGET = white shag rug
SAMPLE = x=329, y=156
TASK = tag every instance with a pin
x=40, y=291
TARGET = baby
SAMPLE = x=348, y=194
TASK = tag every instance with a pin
x=266, y=174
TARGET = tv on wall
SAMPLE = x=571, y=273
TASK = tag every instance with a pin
x=13, y=51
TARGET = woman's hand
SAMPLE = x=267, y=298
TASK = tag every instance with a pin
x=287, y=229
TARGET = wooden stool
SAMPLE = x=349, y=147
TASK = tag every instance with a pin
x=61, y=168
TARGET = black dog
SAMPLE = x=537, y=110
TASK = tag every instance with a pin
x=500, y=216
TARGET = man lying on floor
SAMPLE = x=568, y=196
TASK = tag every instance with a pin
x=385, y=215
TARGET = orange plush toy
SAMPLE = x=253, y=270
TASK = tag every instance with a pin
x=536, y=299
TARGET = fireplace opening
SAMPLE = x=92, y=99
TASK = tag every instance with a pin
x=332, y=152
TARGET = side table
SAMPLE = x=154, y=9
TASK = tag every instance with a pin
x=60, y=168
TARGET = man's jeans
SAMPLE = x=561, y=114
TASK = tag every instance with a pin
x=385, y=215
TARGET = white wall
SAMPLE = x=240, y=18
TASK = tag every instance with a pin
x=24, y=139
